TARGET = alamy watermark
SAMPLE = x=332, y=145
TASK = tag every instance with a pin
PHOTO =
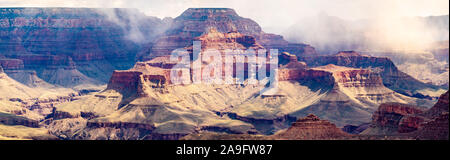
x=211, y=66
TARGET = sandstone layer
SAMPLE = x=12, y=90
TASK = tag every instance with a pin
x=195, y=21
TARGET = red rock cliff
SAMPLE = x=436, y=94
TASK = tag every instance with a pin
x=312, y=128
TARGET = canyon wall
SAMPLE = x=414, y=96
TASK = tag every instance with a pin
x=73, y=46
x=392, y=77
x=195, y=21
x=410, y=121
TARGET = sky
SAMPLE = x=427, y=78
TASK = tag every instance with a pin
x=273, y=15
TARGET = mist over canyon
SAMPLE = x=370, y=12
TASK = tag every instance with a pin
x=418, y=45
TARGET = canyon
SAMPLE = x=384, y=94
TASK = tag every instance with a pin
x=195, y=21
x=71, y=47
x=424, y=57
x=393, y=78
x=105, y=74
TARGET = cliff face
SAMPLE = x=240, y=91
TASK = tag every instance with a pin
x=346, y=95
x=428, y=65
x=125, y=82
x=149, y=106
x=33, y=103
x=312, y=128
x=157, y=71
x=214, y=39
x=79, y=43
x=85, y=34
x=436, y=129
x=340, y=94
x=143, y=103
x=11, y=119
x=75, y=46
x=435, y=125
x=355, y=129
x=410, y=121
x=15, y=69
x=351, y=94
x=440, y=107
x=393, y=78
x=196, y=21
x=391, y=116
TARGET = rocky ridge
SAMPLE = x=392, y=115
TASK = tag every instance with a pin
x=142, y=103
x=312, y=128
x=72, y=47
x=393, y=78
x=406, y=120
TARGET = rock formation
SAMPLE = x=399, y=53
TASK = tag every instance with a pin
x=139, y=95
x=312, y=128
x=395, y=119
x=73, y=46
x=11, y=119
x=352, y=95
x=18, y=132
x=140, y=91
x=355, y=129
x=435, y=124
x=16, y=70
x=440, y=107
x=23, y=108
x=393, y=78
x=195, y=21
x=145, y=102
x=33, y=103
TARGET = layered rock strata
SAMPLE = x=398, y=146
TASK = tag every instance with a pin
x=312, y=128
x=74, y=46
x=393, y=78
x=195, y=21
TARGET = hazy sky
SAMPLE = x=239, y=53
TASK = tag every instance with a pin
x=272, y=15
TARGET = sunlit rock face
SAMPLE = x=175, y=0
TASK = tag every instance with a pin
x=428, y=66
x=351, y=94
x=144, y=100
x=312, y=127
x=395, y=119
x=29, y=103
x=423, y=56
